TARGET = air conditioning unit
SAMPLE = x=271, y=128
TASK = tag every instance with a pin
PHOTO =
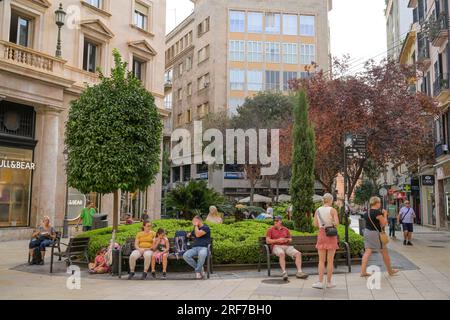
x=445, y=147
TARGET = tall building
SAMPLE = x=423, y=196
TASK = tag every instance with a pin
x=398, y=23
x=228, y=50
x=36, y=89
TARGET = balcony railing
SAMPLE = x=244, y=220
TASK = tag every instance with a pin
x=27, y=57
x=440, y=84
x=423, y=54
x=439, y=30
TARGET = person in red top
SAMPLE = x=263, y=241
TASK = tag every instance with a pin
x=279, y=238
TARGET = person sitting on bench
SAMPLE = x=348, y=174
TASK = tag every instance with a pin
x=202, y=239
x=279, y=238
x=42, y=237
x=142, y=248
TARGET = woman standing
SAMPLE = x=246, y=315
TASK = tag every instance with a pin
x=42, y=237
x=376, y=220
x=214, y=216
x=327, y=244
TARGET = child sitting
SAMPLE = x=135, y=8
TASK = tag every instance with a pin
x=128, y=219
x=99, y=265
x=160, y=252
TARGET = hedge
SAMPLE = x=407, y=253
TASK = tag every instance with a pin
x=235, y=243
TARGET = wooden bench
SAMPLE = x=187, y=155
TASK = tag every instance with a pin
x=56, y=244
x=76, y=252
x=307, y=246
x=172, y=256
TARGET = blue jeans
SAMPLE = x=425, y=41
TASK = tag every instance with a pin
x=201, y=253
x=392, y=223
x=40, y=243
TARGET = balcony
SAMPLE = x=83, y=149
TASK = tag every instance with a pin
x=423, y=55
x=441, y=88
x=440, y=150
x=439, y=30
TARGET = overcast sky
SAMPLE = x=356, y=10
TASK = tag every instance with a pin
x=357, y=27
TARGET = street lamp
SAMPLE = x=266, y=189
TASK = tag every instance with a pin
x=66, y=207
x=60, y=17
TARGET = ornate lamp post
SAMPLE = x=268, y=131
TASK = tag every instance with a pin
x=66, y=207
x=60, y=17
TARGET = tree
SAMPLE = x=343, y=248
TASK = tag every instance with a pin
x=303, y=157
x=192, y=199
x=364, y=191
x=165, y=168
x=113, y=136
x=375, y=102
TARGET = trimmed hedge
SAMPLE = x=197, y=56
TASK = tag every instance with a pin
x=235, y=243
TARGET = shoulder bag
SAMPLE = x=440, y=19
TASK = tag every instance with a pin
x=383, y=236
x=329, y=231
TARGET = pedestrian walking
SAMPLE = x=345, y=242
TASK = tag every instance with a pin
x=86, y=216
x=374, y=237
x=392, y=216
x=406, y=218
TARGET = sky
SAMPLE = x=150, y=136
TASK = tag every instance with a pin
x=357, y=27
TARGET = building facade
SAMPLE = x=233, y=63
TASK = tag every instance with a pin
x=398, y=23
x=226, y=51
x=36, y=89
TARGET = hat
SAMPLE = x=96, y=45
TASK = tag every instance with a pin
x=278, y=218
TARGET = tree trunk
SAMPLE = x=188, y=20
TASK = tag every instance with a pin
x=116, y=210
x=252, y=191
x=278, y=189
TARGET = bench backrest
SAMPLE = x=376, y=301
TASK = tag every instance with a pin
x=130, y=241
x=301, y=243
x=78, y=245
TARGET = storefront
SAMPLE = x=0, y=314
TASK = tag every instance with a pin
x=428, y=200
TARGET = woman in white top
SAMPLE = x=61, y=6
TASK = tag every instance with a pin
x=326, y=216
x=214, y=216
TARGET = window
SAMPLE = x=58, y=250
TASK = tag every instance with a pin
x=168, y=76
x=141, y=16
x=237, y=50
x=273, y=52
x=180, y=118
x=90, y=55
x=202, y=109
x=255, y=22
x=288, y=76
x=307, y=25
x=138, y=69
x=305, y=75
x=255, y=80
x=188, y=63
x=203, y=27
x=189, y=116
x=290, y=24
x=307, y=53
x=95, y=3
x=189, y=89
x=180, y=69
x=237, y=79
x=272, y=80
x=237, y=21
x=168, y=101
x=290, y=53
x=20, y=30
x=203, y=82
x=203, y=54
x=180, y=94
x=233, y=104
x=254, y=51
x=273, y=23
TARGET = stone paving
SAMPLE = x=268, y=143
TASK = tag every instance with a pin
x=425, y=274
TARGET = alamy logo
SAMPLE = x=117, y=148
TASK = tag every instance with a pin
x=374, y=281
x=236, y=147
x=74, y=281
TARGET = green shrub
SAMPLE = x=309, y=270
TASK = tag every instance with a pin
x=234, y=243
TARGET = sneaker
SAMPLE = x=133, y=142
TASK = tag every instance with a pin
x=318, y=285
x=144, y=276
x=404, y=242
x=284, y=275
x=198, y=276
x=41, y=263
x=330, y=284
x=409, y=243
x=301, y=275
x=164, y=276
x=153, y=274
x=131, y=275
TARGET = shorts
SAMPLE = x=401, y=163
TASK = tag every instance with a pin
x=407, y=227
x=288, y=250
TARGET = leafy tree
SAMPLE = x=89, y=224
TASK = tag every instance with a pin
x=165, y=168
x=304, y=153
x=195, y=198
x=113, y=136
x=364, y=191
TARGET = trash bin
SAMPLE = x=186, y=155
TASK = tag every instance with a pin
x=362, y=225
x=99, y=220
x=115, y=264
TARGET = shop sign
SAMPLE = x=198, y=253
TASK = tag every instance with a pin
x=406, y=187
x=428, y=180
x=16, y=164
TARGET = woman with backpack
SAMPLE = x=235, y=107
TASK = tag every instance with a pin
x=41, y=238
x=160, y=252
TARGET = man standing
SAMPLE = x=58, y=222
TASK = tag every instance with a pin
x=392, y=216
x=86, y=216
x=202, y=239
x=279, y=238
x=406, y=218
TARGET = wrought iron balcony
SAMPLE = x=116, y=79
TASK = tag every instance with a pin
x=423, y=54
x=439, y=30
x=441, y=87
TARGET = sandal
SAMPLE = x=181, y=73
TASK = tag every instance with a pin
x=394, y=272
x=365, y=275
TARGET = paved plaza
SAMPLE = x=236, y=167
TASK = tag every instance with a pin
x=425, y=274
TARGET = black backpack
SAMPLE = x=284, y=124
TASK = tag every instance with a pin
x=36, y=258
x=180, y=243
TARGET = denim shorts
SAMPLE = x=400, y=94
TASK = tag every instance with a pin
x=407, y=227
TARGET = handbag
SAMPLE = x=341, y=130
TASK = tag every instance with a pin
x=383, y=236
x=329, y=231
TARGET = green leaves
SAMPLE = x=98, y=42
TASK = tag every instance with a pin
x=113, y=135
